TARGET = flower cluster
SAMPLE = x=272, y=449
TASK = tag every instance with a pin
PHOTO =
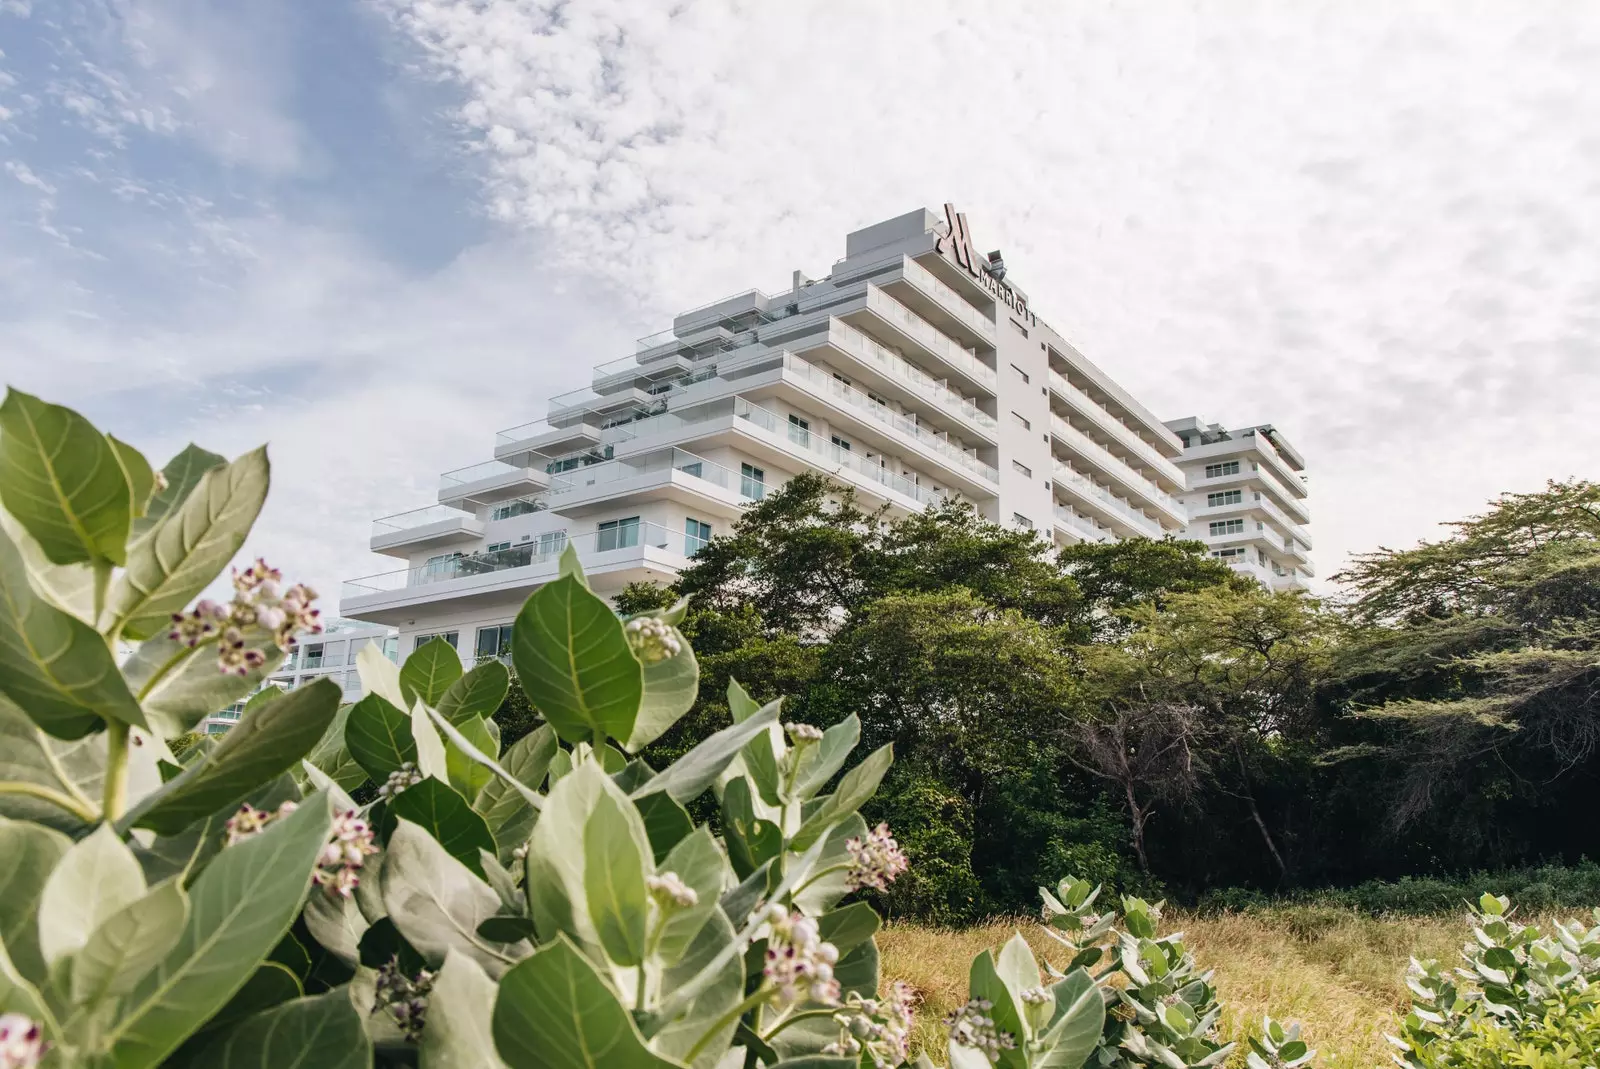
x=22, y=1042
x=1036, y=996
x=800, y=734
x=652, y=640
x=404, y=997
x=348, y=848
x=798, y=963
x=670, y=891
x=259, y=601
x=971, y=1026
x=401, y=778
x=875, y=860
x=880, y=1028
x=249, y=821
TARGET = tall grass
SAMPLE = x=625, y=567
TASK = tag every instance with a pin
x=1340, y=973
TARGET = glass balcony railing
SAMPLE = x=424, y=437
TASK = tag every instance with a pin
x=930, y=336
x=1082, y=524
x=848, y=395
x=852, y=340
x=544, y=549
x=1061, y=473
x=827, y=454
x=477, y=472
x=1103, y=417
x=681, y=460
x=1067, y=432
x=947, y=298
x=409, y=521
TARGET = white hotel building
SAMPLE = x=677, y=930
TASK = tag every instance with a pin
x=916, y=370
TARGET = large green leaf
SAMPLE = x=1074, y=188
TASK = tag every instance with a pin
x=320, y=1032
x=57, y=668
x=849, y=927
x=69, y=587
x=263, y=746
x=676, y=1037
x=337, y=923
x=178, y=557
x=460, y=1032
x=858, y=785
x=1074, y=1032
x=698, y=861
x=429, y=672
x=17, y=995
x=527, y=761
x=61, y=479
x=575, y=664
x=190, y=686
x=136, y=472
x=28, y=755
x=555, y=1012
x=665, y=821
x=466, y=775
x=333, y=758
x=437, y=903
x=478, y=693
x=379, y=737
x=182, y=474
x=96, y=878
x=670, y=687
x=824, y=892
x=985, y=983
x=240, y=907
x=129, y=943
x=557, y=897
x=689, y=776
x=616, y=857
x=31, y=854
x=448, y=817
x=824, y=760
x=442, y=732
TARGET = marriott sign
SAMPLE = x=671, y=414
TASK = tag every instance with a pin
x=956, y=246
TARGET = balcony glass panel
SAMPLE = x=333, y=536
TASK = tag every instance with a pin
x=1061, y=473
x=487, y=470
x=825, y=453
x=1066, y=431
x=930, y=336
x=852, y=340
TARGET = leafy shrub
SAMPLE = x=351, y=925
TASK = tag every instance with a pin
x=1538, y=889
x=1518, y=998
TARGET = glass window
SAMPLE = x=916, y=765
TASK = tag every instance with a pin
x=841, y=378
x=695, y=468
x=1022, y=521
x=1227, y=527
x=449, y=636
x=618, y=534
x=752, y=482
x=333, y=652
x=1021, y=374
x=313, y=656
x=494, y=641
x=799, y=430
x=514, y=508
x=1021, y=469
x=356, y=646
x=842, y=443
x=552, y=543
x=1227, y=497
x=1217, y=471
x=495, y=547
x=391, y=647
x=695, y=535
x=441, y=567
x=1224, y=554
x=1022, y=421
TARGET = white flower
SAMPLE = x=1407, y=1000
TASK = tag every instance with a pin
x=401, y=778
x=803, y=733
x=971, y=1026
x=669, y=890
x=875, y=860
x=652, y=640
x=21, y=1042
x=404, y=997
x=798, y=963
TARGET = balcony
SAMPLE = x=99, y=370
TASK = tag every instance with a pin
x=1097, y=414
x=546, y=437
x=1095, y=455
x=916, y=333
x=613, y=479
x=424, y=528
x=611, y=559
x=938, y=300
x=1100, y=500
x=486, y=483
x=1080, y=527
x=811, y=449
x=879, y=360
x=616, y=372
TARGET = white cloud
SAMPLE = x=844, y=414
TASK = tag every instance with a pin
x=1370, y=229
x=24, y=174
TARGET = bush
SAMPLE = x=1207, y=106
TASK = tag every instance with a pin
x=1540, y=889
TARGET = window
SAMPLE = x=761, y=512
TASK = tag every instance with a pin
x=1217, y=471
x=495, y=547
x=752, y=482
x=799, y=430
x=695, y=535
x=1227, y=527
x=552, y=543
x=449, y=636
x=514, y=508
x=695, y=468
x=884, y=401
x=841, y=378
x=391, y=647
x=356, y=646
x=1261, y=556
x=1224, y=554
x=1022, y=469
x=1022, y=421
x=842, y=443
x=1022, y=521
x=313, y=657
x=494, y=642
x=1021, y=374
x=1227, y=497
x=618, y=534
x=1020, y=328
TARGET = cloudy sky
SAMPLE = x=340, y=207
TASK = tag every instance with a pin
x=375, y=232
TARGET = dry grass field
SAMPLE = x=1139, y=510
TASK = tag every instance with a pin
x=1340, y=974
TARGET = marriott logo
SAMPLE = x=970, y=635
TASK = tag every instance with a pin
x=956, y=246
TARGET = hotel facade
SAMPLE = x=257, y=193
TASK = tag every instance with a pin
x=917, y=370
